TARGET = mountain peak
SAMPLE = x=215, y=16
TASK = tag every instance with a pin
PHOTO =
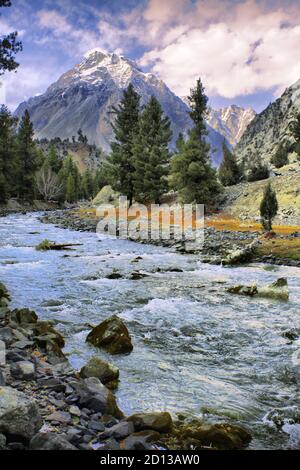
x=231, y=121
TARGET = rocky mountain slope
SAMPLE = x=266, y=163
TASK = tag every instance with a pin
x=231, y=122
x=270, y=127
x=243, y=200
x=84, y=97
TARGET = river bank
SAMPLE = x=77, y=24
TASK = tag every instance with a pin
x=193, y=341
x=284, y=250
x=47, y=405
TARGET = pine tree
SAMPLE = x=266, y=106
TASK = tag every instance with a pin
x=280, y=158
x=9, y=47
x=150, y=154
x=268, y=207
x=191, y=171
x=229, y=173
x=53, y=160
x=71, y=194
x=125, y=128
x=87, y=184
x=27, y=153
x=70, y=179
x=198, y=104
x=257, y=170
x=8, y=156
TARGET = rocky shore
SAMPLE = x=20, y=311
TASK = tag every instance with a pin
x=15, y=206
x=219, y=245
x=47, y=405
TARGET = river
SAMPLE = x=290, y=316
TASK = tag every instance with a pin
x=197, y=349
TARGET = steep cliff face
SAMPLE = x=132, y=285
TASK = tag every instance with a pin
x=270, y=127
x=231, y=122
x=84, y=97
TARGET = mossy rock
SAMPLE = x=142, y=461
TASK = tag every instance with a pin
x=103, y=370
x=4, y=295
x=23, y=316
x=44, y=328
x=199, y=435
x=160, y=421
x=111, y=335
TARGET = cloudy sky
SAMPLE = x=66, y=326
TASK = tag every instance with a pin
x=246, y=51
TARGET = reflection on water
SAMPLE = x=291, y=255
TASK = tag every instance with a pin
x=197, y=349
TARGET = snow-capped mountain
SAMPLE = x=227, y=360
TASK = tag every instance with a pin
x=231, y=122
x=84, y=97
x=270, y=127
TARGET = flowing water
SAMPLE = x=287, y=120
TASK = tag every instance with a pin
x=197, y=349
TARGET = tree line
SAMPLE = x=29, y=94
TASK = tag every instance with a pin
x=26, y=172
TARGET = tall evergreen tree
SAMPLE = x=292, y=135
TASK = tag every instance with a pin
x=229, y=173
x=87, y=184
x=71, y=193
x=198, y=104
x=70, y=178
x=8, y=158
x=150, y=153
x=191, y=171
x=125, y=128
x=280, y=158
x=53, y=160
x=27, y=154
x=268, y=207
x=9, y=47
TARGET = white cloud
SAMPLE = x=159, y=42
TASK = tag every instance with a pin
x=252, y=49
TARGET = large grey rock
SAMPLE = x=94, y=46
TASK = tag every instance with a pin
x=19, y=414
x=23, y=370
x=6, y=335
x=50, y=441
x=95, y=396
x=104, y=371
x=111, y=335
x=119, y=431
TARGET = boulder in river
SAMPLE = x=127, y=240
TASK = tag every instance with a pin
x=160, y=421
x=111, y=335
x=104, y=371
x=278, y=290
x=241, y=255
x=19, y=415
